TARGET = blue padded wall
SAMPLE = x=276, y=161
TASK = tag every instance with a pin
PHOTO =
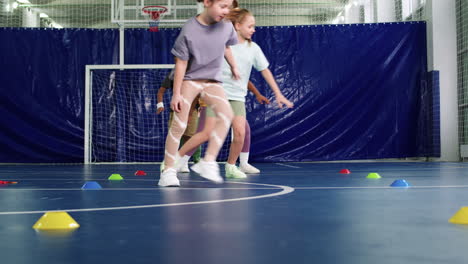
x=360, y=91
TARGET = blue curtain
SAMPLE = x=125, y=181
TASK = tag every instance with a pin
x=42, y=90
x=358, y=90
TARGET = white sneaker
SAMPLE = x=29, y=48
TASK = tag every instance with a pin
x=184, y=168
x=233, y=172
x=169, y=178
x=196, y=167
x=247, y=168
x=210, y=171
x=181, y=163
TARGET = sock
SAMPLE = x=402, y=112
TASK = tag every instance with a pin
x=177, y=158
x=244, y=158
x=184, y=159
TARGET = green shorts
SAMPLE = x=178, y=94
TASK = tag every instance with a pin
x=238, y=108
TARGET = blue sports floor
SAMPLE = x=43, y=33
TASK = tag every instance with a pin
x=290, y=213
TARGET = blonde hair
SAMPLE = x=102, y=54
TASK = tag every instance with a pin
x=234, y=3
x=237, y=15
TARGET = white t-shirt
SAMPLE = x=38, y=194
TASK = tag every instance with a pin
x=246, y=55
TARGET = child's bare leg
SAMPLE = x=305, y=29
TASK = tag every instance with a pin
x=244, y=165
x=179, y=124
x=214, y=96
x=199, y=138
x=238, y=126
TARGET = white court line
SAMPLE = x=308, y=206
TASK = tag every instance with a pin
x=289, y=166
x=234, y=188
x=133, y=189
x=91, y=179
x=381, y=187
x=285, y=190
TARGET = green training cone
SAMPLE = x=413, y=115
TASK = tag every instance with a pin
x=115, y=177
x=373, y=175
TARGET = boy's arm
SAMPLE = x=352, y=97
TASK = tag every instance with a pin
x=230, y=60
x=179, y=73
x=274, y=86
x=260, y=98
x=160, y=96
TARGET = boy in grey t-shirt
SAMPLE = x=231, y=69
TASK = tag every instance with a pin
x=199, y=49
x=192, y=123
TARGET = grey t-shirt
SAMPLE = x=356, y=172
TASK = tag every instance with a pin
x=203, y=47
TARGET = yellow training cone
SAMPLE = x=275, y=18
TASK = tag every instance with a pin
x=461, y=217
x=55, y=220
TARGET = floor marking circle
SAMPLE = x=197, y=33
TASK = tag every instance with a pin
x=284, y=190
x=380, y=187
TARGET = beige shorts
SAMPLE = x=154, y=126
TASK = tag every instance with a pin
x=238, y=108
x=191, y=125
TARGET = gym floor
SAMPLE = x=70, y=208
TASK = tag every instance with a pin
x=290, y=213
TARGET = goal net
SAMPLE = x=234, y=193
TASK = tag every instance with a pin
x=121, y=120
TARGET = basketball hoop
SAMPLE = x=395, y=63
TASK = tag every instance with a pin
x=155, y=13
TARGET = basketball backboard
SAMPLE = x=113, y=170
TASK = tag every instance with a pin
x=129, y=12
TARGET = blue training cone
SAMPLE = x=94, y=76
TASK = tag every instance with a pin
x=400, y=183
x=91, y=185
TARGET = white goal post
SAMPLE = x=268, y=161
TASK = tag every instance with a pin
x=121, y=120
x=149, y=78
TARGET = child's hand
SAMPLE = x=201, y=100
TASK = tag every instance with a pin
x=235, y=74
x=176, y=101
x=262, y=99
x=282, y=100
x=160, y=110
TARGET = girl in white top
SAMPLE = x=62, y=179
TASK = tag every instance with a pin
x=247, y=54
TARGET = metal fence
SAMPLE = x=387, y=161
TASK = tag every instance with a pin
x=97, y=13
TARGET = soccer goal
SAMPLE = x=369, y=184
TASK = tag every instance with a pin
x=121, y=120
x=121, y=123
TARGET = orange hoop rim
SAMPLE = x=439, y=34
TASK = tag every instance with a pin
x=155, y=14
